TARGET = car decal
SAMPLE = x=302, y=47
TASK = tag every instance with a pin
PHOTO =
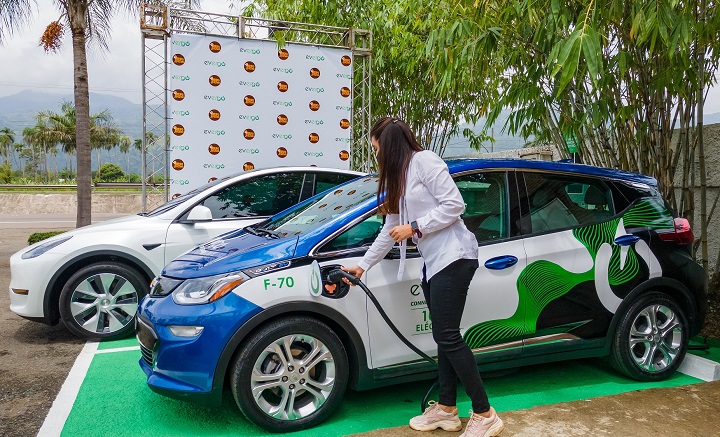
x=542, y=282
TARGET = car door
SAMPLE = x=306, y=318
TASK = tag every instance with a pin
x=493, y=317
x=565, y=219
x=247, y=202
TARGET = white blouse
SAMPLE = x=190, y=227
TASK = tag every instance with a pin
x=432, y=200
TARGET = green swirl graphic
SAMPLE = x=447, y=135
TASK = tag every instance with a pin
x=542, y=282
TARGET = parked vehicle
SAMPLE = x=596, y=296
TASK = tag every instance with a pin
x=92, y=278
x=575, y=261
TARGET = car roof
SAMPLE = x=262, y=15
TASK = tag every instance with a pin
x=461, y=165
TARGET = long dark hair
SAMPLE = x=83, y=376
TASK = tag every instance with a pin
x=397, y=146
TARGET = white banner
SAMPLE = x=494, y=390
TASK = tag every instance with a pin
x=239, y=104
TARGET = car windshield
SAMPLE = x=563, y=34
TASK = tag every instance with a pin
x=322, y=207
x=181, y=198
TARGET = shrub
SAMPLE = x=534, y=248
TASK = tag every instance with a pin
x=110, y=172
x=39, y=236
x=66, y=174
x=6, y=173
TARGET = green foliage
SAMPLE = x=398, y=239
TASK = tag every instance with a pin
x=618, y=75
x=110, y=172
x=133, y=177
x=39, y=236
x=6, y=173
x=67, y=175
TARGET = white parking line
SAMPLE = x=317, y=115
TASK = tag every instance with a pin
x=119, y=349
x=61, y=407
x=60, y=410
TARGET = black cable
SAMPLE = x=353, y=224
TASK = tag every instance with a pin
x=335, y=276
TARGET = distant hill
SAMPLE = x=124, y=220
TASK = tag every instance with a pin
x=18, y=111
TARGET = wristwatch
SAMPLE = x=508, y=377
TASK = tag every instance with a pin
x=415, y=229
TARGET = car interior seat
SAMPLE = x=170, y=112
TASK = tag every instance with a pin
x=596, y=198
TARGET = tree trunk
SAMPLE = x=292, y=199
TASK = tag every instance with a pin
x=82, y=127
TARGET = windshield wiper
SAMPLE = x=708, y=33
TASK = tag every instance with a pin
x=251, y=230
x=262, y=231
x=273, y=234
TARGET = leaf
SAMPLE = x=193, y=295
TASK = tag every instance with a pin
x=592, y=53
x=555, y=7
x=568, y=60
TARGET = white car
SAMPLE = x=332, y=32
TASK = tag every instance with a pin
x=93, y=277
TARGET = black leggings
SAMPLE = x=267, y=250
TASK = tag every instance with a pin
x=445, y=295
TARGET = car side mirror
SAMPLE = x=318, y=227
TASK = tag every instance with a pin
x=199, y=213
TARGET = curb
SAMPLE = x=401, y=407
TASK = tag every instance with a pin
x=700, y=368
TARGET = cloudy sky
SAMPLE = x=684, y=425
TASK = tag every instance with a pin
x=118, y=71
x=25, y=65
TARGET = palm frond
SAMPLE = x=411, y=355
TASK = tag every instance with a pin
x=14, y=14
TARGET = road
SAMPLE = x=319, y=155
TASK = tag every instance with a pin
x=47, y=221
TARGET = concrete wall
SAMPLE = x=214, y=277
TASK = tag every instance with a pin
x=66, y=203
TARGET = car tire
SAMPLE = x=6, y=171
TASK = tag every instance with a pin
x=651, y=338
x=99, y=301
x=272, y=383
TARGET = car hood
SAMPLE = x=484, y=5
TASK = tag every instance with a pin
x=125, y=222
x=230, y=252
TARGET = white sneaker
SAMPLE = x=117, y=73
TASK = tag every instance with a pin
x=434, y=417
x=479, y=426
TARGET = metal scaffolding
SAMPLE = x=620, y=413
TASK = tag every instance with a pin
x=159, y=22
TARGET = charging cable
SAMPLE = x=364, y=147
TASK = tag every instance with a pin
x=337, y=275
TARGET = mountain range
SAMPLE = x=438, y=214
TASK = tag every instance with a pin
x=18, y=111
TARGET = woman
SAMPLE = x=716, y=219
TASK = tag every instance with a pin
x=423, y=202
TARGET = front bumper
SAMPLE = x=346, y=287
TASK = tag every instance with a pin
x=34, y=276
x=184, y=367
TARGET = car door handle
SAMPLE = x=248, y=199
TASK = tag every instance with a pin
x=626, y=240
x=501, y=262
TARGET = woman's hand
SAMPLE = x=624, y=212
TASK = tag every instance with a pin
x=356, y=271
x=402, y=232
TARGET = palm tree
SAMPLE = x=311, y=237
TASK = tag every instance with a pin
x=7, y=139
x=124, y=146
x=36, y=139
x=61, y=129
x=87, y=21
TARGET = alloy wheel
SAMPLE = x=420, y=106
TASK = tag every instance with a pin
x=104, y=303
x=293, y=377
x=655, y=338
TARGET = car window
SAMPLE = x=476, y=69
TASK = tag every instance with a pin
x=486, y=205
x=559, y=201
x=362, y=234
x=261, y=196
x=325, y=181
x=178, y=199
x=323, y=207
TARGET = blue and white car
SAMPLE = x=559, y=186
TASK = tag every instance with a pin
x=575, y=261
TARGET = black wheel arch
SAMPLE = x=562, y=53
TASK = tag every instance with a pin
x=51, y=307
x=673, y=288
x=354, y=346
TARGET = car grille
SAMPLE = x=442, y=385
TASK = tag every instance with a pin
x=147, y=339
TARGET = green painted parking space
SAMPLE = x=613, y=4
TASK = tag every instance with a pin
x=114, y=399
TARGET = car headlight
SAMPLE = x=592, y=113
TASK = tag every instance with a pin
x=207, y=289
x=39, y=250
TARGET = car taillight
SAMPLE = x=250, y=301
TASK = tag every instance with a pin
x=682, y=234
